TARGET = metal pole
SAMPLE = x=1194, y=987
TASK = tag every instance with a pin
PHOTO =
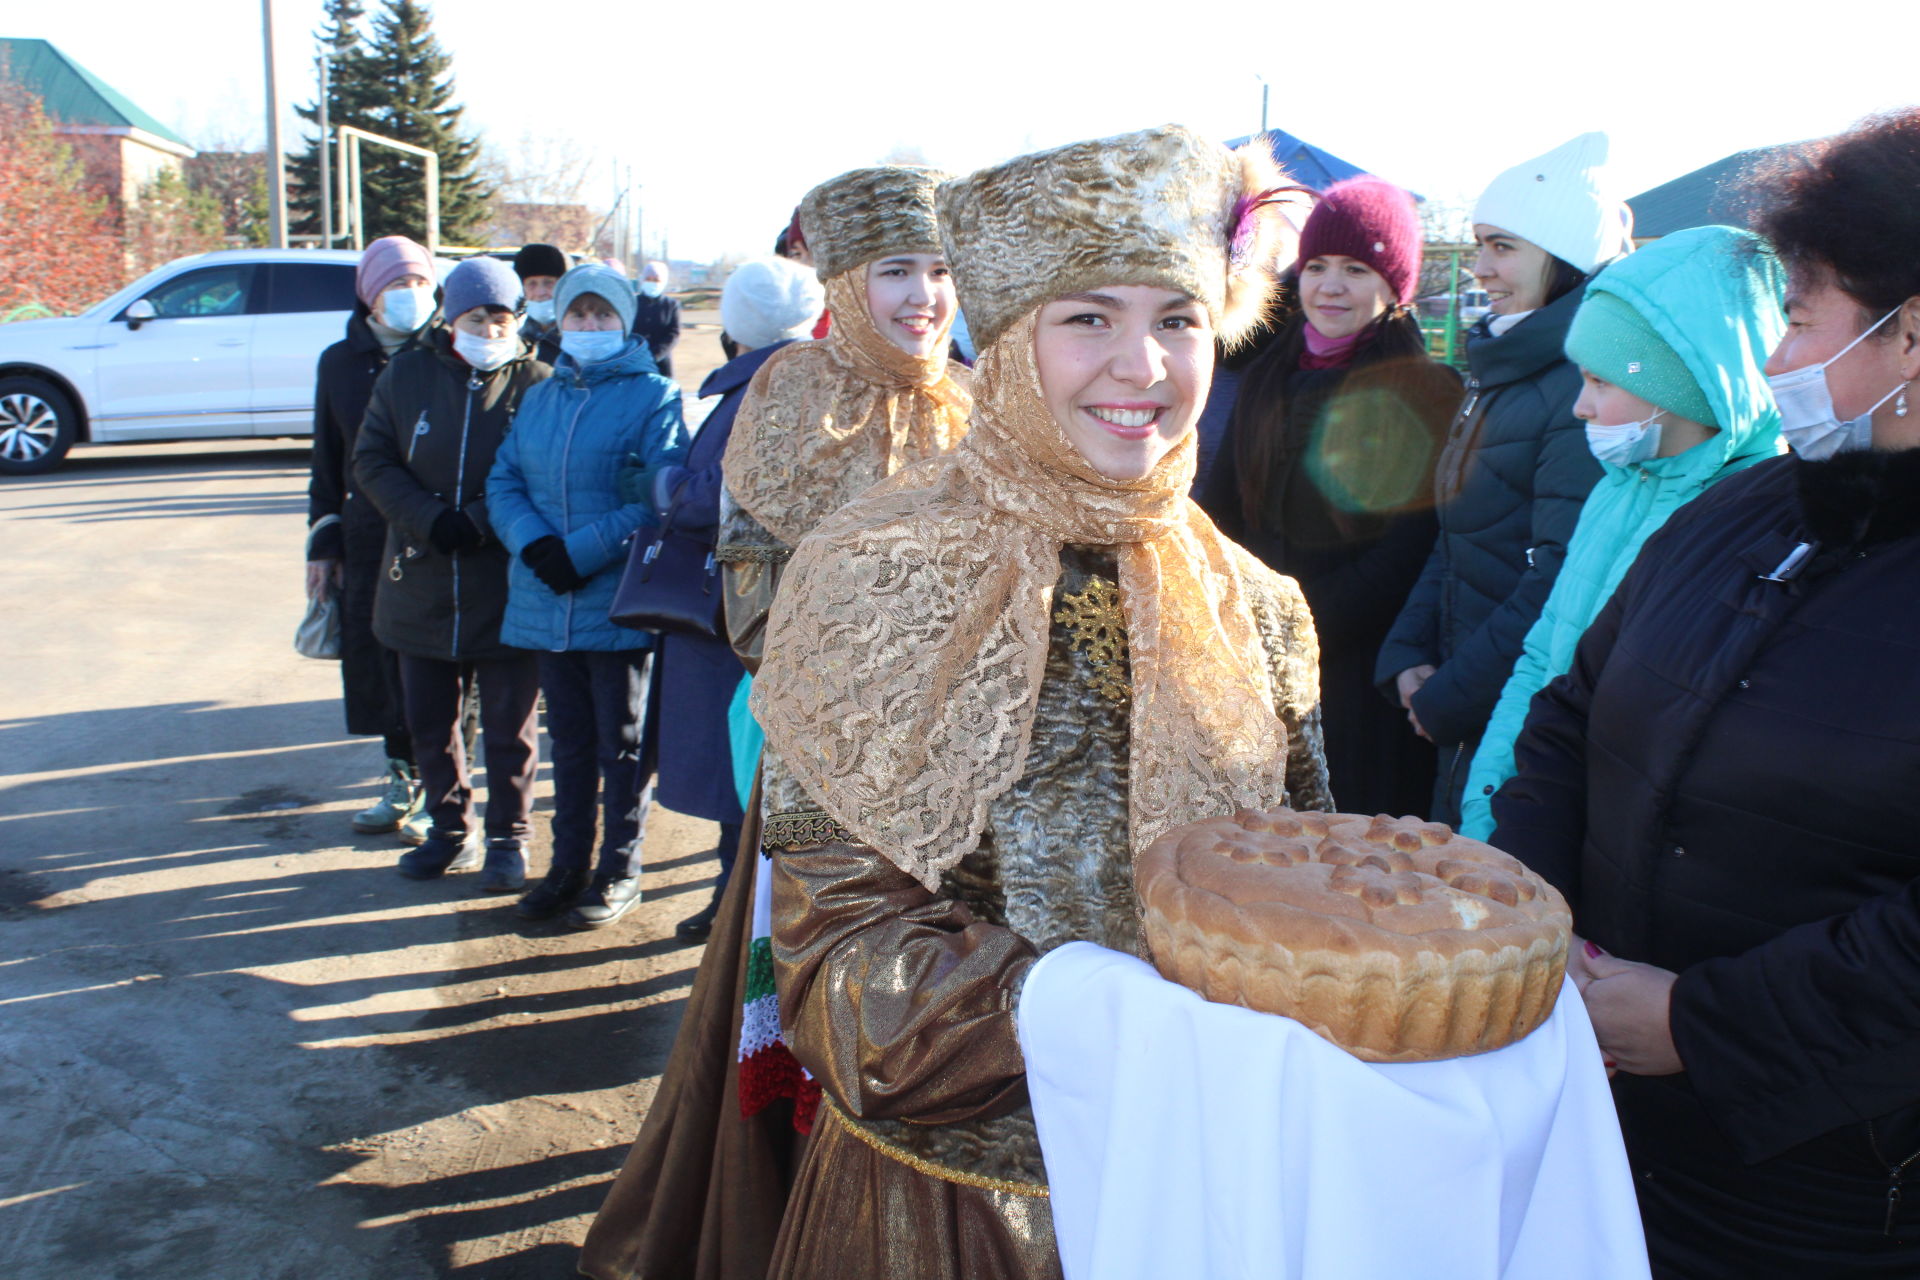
x=1264, y=86
x=433, y=203
x=276, y=158
x=358, y=222
x=325, y=158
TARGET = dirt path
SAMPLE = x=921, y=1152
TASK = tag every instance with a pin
x=232, y=1042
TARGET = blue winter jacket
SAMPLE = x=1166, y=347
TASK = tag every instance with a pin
x=556, y=474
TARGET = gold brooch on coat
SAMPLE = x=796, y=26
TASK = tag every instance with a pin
x=1098, y=629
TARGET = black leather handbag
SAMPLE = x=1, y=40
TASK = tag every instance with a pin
x=672, y=581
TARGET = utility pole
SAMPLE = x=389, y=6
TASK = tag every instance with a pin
x=1264, y=86
x=276, y=159
x=326, y=162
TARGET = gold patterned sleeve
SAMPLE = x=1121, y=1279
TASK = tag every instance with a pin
x=751, y=561
x=900, y=1002
x=1293, y=656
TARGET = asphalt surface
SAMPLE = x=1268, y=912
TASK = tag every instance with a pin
x=233, y=1043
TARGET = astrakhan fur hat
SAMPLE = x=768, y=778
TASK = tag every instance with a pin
x=868, y=214
x=1163, y=206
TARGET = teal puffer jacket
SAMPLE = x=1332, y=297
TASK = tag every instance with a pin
x=557, y=475
x=1714, y=295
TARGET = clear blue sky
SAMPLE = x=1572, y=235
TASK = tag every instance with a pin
x=728, y=112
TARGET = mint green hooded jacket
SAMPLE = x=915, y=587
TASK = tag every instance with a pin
x=1714, y=295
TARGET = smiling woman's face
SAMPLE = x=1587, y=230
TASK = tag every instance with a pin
x=910, y=297
x=1514, y=272
x=1125, y=370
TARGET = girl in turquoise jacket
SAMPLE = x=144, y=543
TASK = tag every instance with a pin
x=1670, y=342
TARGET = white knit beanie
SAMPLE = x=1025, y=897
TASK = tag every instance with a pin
x=767, y=300
x=1562, y=202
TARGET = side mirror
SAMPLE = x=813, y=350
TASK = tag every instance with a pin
x=139, y=313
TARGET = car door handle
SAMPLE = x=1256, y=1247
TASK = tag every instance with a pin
x=232, y=342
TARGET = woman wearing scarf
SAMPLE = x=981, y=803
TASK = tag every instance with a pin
x=703, y=1189
x=1327, y=471
x=992, y=680
x=825, y=421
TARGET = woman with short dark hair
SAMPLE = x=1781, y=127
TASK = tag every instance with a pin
x=1726, y=782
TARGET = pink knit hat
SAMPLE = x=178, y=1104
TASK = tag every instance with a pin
x=1372, y=220
x=386, y=260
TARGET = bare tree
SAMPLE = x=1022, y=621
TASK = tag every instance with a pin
x=541, y=186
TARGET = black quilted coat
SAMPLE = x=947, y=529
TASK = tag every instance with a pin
x=1727, y=784
x=1510, y=484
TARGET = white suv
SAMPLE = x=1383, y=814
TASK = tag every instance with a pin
x=212, y=346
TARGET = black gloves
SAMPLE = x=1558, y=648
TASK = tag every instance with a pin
x=454, y=531
x=548, y=559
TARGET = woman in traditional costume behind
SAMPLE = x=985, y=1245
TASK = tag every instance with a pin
x=993, y=679
x=703, y=1188
x=824, y=421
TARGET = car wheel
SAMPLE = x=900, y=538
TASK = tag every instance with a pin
x=37, y=426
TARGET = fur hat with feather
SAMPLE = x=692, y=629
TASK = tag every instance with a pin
x=1162, y=206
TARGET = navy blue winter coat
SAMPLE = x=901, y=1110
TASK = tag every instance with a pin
x=1510, y=484
x=694, y=679
x=557, y=474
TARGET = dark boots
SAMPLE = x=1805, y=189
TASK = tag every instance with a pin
x=440, y=854
x=606, y=900
x=506, y=867
x=556, y=892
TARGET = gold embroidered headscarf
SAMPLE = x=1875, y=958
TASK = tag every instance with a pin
x=906, y=648
x=822, y=422
x=907, y=644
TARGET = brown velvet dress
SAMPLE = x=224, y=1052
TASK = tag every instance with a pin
x=702, y=1191
x=901, y=1001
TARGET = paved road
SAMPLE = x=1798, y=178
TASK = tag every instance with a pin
x=232, y=1042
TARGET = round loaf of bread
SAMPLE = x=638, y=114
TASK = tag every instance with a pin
x=1394, y=938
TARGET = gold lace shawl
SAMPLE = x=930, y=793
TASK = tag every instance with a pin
x=906, y=648
x=823, y=421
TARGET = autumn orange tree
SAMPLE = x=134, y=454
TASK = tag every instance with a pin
x=59, y=246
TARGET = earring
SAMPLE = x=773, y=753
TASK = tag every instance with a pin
x=1900, y=404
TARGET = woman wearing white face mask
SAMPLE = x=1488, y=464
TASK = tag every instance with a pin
x=1726, y=783
x=1515, y=468
x=656, y=316
x=394, y=305
x=438, y=414
x=1669, y=342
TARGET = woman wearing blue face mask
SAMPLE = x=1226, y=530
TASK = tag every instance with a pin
x=1726, y=782
x=1669, y=342
x=540, y=267
x=656, y=316
x=556, y=499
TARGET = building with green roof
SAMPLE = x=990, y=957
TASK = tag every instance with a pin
x=122, y=147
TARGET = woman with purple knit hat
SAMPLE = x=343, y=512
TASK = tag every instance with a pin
x=1326, y=472
x=395, y=305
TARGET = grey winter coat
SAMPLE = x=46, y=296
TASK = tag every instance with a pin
x=427, y=443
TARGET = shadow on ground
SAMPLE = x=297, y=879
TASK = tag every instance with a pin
x=200, y=974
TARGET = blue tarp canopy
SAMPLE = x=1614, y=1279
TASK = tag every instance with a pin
x=1311, y=166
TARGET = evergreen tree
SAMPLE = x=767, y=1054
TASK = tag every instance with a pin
x=352, y=97
x=398, y=84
